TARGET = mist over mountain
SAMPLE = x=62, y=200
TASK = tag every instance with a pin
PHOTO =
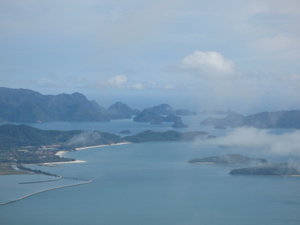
x=278, y=119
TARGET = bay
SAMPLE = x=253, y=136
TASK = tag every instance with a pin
x=153, y=183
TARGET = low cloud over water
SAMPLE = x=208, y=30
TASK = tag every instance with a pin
x=264, y=140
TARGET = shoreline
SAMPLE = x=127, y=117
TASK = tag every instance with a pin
x=39, y=192
x=61, y=153
x=62, y=162
x=98, y=146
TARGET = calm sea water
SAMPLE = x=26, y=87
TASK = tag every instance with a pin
x=152, y=183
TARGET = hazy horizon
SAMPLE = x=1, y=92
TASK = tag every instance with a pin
x=241, y=56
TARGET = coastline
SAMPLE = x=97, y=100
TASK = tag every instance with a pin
x=97, y=146
x=64, y=162
x=61, y=153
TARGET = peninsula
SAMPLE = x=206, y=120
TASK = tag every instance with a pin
x=22, y=144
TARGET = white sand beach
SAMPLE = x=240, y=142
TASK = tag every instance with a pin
x=100, y=146
x=60, y=153
x=67, y=162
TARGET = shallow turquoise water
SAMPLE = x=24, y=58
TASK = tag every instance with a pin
x=152, y=183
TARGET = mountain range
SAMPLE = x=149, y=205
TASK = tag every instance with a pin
x=23, y=105
x=278, y=119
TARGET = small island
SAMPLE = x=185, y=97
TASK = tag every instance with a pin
x=229, y=159
x=159, y=114
x=278, y=169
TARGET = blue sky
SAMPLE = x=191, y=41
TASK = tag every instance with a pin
x=235, y=54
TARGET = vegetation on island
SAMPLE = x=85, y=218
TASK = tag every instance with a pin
x=229, y=159
x=159, y=114
x=25, y=144
x=279, y=119
x=120, y=110
x=149, y=135
x=278, y=169
x=259, y=166
x=22, y=144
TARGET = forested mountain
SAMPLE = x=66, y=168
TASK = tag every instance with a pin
x=13, y=136
x=120, y=110
x=23, y=105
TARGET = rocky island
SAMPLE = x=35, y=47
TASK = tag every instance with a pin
x=159, y=114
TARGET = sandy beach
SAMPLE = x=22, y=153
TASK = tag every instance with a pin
x=56, y=163
x=60, y=153
x=100, y=146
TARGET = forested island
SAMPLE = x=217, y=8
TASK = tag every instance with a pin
x=229, y=159
x=259, y=166
x=278, y=169
x=159, y=114
x=278, y=119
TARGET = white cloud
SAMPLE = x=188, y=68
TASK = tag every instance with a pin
x=282, y=144
x=209, y=64
x=117, y=81
x=151, y=85
x=137, y=86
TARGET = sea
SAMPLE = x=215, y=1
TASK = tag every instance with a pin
x=149, y=184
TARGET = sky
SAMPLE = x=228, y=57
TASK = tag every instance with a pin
x=241, y=55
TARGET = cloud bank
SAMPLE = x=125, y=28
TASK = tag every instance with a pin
x=280, y=144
